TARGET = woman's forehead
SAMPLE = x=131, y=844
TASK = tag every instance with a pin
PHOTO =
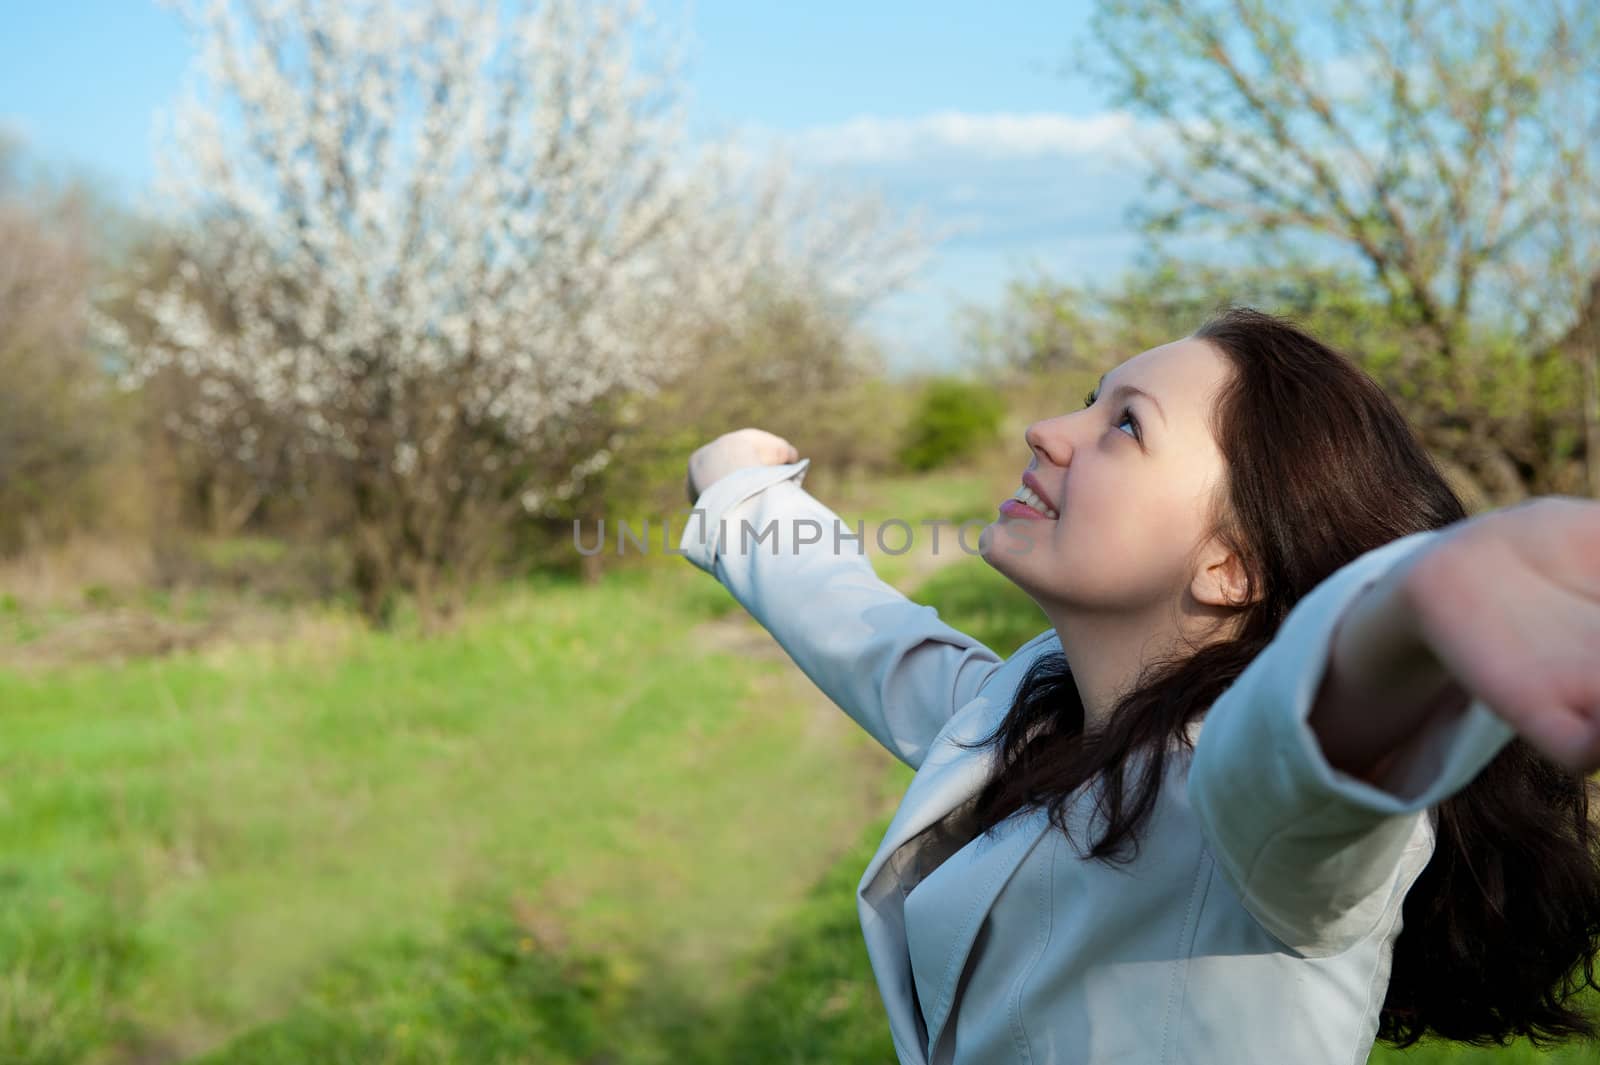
x=1187, y=371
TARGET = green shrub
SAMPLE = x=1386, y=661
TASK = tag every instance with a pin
x=953, y=418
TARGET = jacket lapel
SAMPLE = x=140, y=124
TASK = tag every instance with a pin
x=942, y=947
x=947, y=778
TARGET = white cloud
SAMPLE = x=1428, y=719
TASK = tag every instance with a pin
x=871, y=139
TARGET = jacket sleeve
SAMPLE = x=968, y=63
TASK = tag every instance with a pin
x=888, y=662
x=1315, y=853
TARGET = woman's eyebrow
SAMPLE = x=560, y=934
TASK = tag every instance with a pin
x=1123, y=389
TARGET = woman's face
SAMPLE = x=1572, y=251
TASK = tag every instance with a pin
x=1130, y=478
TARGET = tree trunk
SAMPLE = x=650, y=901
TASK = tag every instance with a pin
x=373, y=574
x=225, y=514
x=371, y=582
x=1591, y=415
x=1583, y=343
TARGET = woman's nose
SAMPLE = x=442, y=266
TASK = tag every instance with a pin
x=1048, y=439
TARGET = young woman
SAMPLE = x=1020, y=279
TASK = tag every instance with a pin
x=1300, y=763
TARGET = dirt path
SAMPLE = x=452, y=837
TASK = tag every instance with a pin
x=871, y=770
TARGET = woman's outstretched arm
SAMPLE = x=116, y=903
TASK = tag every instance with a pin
x=891, y=664
x=1386, y=691
x=1504, y=608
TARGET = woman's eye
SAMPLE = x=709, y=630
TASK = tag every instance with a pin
x=1127, y=417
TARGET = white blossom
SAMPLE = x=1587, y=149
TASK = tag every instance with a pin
x=384, y=196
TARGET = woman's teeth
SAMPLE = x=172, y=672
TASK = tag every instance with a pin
x=1027, y=495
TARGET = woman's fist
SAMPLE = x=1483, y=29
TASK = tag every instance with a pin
x=734, y=451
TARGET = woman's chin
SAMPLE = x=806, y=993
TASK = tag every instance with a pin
x=1018, y=536
x=1006, y=549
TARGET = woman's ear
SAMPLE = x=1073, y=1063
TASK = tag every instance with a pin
x=1220, y=579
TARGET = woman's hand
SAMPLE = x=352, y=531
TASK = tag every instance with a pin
x=1509, y=604
x=734, y=451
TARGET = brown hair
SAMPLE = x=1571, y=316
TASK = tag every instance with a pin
x=1502, y=926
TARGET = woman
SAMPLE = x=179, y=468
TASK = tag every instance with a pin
x=1300, y=763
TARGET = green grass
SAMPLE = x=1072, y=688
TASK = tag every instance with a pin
x=189, y=843
x=952, y=495
x=1519, y=1053
x=487, y=993
x=970, y=595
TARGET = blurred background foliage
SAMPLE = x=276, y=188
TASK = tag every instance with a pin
x=952, y=420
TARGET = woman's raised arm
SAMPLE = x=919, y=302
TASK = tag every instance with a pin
x=1314, y=853
x=1386, y=690
x=1505, y=608
x=890, y=663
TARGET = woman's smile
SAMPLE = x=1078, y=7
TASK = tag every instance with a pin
x=1029, y=501
x=1016, y=508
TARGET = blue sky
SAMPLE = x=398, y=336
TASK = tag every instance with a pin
x=960, y=109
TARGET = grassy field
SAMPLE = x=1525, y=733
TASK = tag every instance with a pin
x=582, y=828
x=190, y=843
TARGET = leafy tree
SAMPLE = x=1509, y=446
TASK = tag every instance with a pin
x=57, y=414
x=1168, y=298
x=1044, y=327
x=1447, y=149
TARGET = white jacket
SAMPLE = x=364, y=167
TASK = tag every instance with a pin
x=1256, y=923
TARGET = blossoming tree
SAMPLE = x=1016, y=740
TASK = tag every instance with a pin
x=435, y=240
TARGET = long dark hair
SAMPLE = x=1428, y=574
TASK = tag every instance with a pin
x=1501, y=928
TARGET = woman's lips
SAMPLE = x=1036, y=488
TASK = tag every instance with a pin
x=1016, y=508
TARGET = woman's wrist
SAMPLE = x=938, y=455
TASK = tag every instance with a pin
x=1383, y=686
